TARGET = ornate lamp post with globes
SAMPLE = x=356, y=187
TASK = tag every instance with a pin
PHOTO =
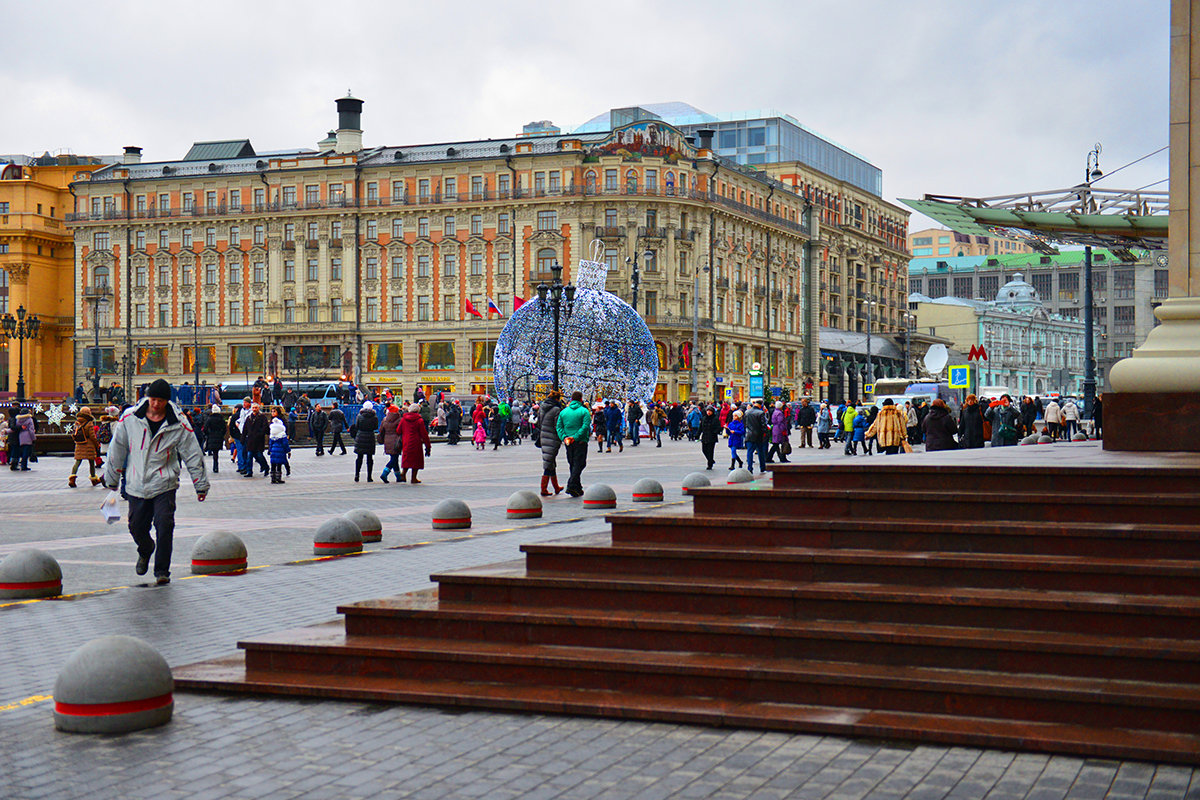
x=555, y=306
x=20, y=328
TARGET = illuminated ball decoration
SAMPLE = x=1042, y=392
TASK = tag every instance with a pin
x=605, y=349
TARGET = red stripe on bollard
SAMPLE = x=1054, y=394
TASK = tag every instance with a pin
x=109, y=709
x=452, y=521
x=652, y=494
x=216, y=562
x=335, y=544
x=32, y=585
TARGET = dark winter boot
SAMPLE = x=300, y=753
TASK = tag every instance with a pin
x=554, y=483
x=545, y=483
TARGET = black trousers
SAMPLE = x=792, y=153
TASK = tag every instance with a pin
x=319, y=438
x=337, y=442
x=707, y=449
x=577, y=459
x=159, y=511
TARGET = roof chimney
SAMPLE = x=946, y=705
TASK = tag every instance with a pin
x=349, y=130
x=705, y=135
x=133, y=155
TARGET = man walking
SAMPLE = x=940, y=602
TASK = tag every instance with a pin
x=337, y=423
x=317, y=421
x=757, y=431
x=149, y=442
x=633, y=415
x=572, y=428
x=806, y=418
x=612, y=419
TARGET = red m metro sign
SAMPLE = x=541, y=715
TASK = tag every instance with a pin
x=977, y=353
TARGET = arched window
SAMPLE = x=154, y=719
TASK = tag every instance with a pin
x=589, y=181
x=670, y=183
x=100, y=276
x=662, y=354
x=546, y=258
x=631, y=182
x=685, y=355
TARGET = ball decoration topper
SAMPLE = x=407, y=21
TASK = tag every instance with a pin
x=605, y=349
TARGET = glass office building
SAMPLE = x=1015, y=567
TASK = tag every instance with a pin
x=762, y=136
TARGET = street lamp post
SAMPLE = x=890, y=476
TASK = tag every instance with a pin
x=20, y=328
x=96, y=295
x=555, y=306
x=695, y=330
x=635, y=278
x=1091, y=172
x=196, y=349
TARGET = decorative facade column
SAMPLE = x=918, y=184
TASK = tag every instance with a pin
x=1162, y=378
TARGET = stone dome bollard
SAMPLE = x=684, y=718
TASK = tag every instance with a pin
x=217, y=553
x=1079, y=436
x=451, y=514
x=367, y=523
x=740, y=475
x=647, y=490
x=695, y=480
x=599, y=495
x=337, y=537
x=1044, y=439
x=30, y=573
x=114, y=684
x=1031, y=439
x=524, y=504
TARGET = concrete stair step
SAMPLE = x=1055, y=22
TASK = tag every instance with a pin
x=229, y=675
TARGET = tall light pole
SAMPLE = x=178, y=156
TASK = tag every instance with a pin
x=695, y=329
x=555, y=306
x=20, y=328
x=96, y=295
x=1091, y=172
x=635, y=279
x=196, y=349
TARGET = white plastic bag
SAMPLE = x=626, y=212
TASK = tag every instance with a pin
x=110, y=509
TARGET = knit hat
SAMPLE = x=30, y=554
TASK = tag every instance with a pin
x=84, y=413
x=160, y=389
x=216, y=409
x=415, y=408
x=278, y=429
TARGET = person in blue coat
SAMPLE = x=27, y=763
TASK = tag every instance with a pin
x=279, y=447
x=737, y=434
x=859, y=433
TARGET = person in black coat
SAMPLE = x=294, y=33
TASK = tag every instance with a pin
x=214, y=435
x=364, y=428
x=317, y=422
x=939, y=427
x=710, y=432
x=254, y=438
x=970, y=423
x=453, y=423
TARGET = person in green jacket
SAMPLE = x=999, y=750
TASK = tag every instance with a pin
x=848, y=425
x=574, y=423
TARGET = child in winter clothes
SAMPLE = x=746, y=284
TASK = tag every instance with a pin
x=3, y=439
x=280, y=447
x=737, y=432
x=480, y=437
x=859, y=433
x=87, y=446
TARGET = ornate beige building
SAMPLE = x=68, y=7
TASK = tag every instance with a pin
x=349, y=260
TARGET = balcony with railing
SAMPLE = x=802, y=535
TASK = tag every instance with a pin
x=722, y=283
x=743, y=286
x=645, y=232
x=609, y=231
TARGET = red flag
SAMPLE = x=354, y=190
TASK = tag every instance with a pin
x=471, y=308
x=517, y=302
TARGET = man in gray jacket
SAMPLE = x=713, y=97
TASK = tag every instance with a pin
x=149, y=442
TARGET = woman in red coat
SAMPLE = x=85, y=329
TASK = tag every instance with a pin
x=414, y=442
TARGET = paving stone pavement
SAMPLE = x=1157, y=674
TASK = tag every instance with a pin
x=245, y=747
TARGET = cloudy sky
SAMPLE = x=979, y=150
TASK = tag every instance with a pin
x=946, y=96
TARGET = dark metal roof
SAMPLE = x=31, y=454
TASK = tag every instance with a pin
x=212, y=151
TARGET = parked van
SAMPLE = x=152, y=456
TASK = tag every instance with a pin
x=928, y=391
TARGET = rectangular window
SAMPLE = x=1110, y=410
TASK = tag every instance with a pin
x=423, y=227
x=989, y=285
x=436, y=356
x=476, y=187
x=246, y=358
x=397, y=267
x=260, y=272
x=397, y=314
x=164, y=239
x=1123, y=284
x=397, y=228
x=1162, y=283
x=372, y=229
x=139, y=276
x=652, y=180
x=163, y=270
x=481, y=353
x=372, y=268
x=151, y=360
x=539, y=183
x=449, y=225
x=610, y=218
x=289, y=311
x=139, y=315
x=547, y=220
x=962, y=286
x=451, y=190
x=312, y=195
x=260, y=199
x=372, y=192
x=398, y=191
x=476, y=224
x=314, y=271
x=313, y=313
x=422, y=266
x=335, y=269
x=187, y=237
x=210, y=273
x=335, y=229
x=610, y=180
x=312, y=231
x=164, y=315
x=210, y=237
x=235, y=236
x=185, y=273
x=423, y=190
x=476, y=264
x=140, y=240
x=260, y=234
x=235, y=312
x=503, y=261
x=235, y=199
x=185, y=313
x=502, y=223
x=164, y=203
x=385, y=357
x=1123, y=320
x=937, y=287
x=555, y=182
x=289, y=270
x=449, y=309
x=449, y=265
x=337, y=194
x=189, y=202
x=289, y=232
x=503, y=185
x=335, y=309
x=289, y=197
x=210, y=313
x=422, y=308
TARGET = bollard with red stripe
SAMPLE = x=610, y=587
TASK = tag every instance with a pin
x=30, y=573
x=337, y=537
x=647, y=490
x=599, y=495
x=114, y=684
x=524, y=504
x=739, y=475
x=219, y=553
x=368, y=524
x=451, y=514
x=695, y=480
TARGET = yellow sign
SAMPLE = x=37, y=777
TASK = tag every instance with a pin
x=960, y=377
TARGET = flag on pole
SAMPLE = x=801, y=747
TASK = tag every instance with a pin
x=470, y=308
x=517, y=302
x=492, y=307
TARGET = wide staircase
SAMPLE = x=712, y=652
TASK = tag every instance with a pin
x=1043, y=608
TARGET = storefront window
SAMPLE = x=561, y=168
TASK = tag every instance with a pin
x=437, y=355
x=151, y=360
x=246, y=358
x=481, y=354
x=208, y=359
x=385, y=357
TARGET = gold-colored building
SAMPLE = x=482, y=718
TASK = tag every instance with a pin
x=939, y=242
x=37, y=268
x=360, y=260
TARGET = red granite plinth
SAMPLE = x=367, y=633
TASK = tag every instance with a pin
x=1166, y=422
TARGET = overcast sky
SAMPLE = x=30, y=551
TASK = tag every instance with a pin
x=945, y=96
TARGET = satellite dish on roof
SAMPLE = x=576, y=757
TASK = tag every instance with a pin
x=936, y=359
